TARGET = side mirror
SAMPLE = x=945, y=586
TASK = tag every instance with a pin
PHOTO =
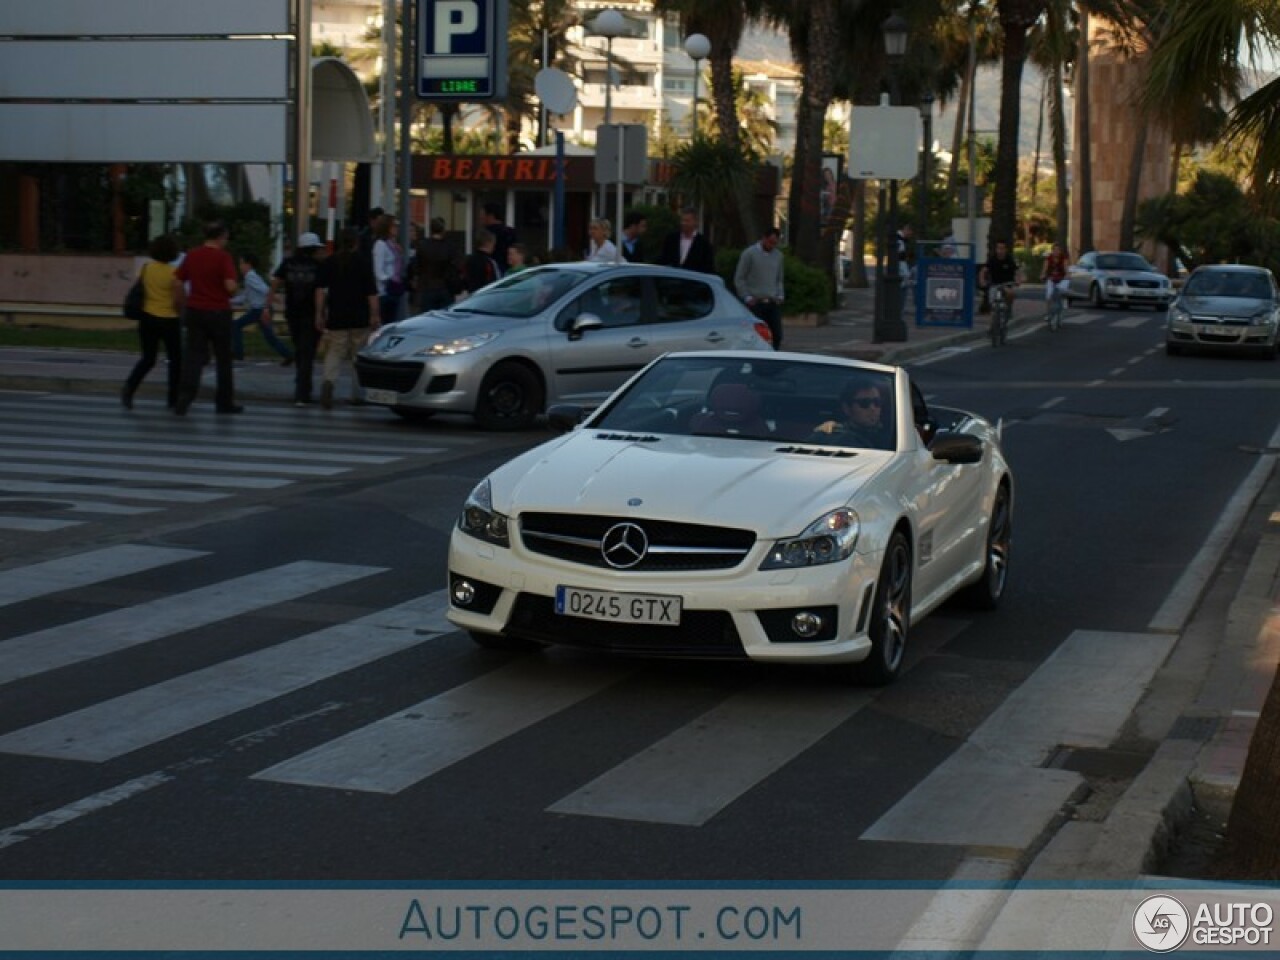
x=956, y=448
x=582, y=323
x=564, y=417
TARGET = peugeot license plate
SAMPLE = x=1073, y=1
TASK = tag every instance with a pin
x=388, y=397
x=652, y=609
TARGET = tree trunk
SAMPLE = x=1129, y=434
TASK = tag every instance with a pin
x=722, y=94
x=1084, y=142
x=819, y=84
x=957, y=136
x=447, y=112
x=858, y=242
x=1035, y=164
x=1129, y=214
x=1015, y=20
x=1058, y=138
x=1253, y=829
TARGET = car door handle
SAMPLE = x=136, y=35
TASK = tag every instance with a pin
x=637, y=342
x=715, y=337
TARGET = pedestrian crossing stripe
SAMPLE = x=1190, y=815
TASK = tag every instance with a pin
x=35, y=653
x=85, y=569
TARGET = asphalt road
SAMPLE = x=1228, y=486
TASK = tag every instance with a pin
x=257, y=682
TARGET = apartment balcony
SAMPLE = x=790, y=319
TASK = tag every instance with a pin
x=592, y=95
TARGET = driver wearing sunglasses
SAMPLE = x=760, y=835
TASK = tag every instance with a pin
x=863, y=424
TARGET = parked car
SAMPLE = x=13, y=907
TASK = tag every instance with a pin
x=1105, y=278
x=705, y=511
x=1226, y=307
x=560, y=333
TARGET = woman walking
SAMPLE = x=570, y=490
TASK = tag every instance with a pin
x=388, y=269
x=161, y=306
x=346, y=307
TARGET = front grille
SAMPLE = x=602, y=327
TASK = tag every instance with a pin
x=672, y=546
x=701, y=633
x=387, y=374
x=1227, y=336
x=1145, y=284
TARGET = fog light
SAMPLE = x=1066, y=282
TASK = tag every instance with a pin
x=806, y=624
x=463, y=593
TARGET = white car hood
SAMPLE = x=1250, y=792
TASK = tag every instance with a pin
x=716, y=481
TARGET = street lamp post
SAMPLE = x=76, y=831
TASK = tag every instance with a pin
x=608, y=24
x=697, y=47
x=890, y=325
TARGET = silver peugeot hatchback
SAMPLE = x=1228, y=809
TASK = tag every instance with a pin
x=562, y=333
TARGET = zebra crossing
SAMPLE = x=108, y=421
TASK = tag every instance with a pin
x=70, y=460
x=713, y=756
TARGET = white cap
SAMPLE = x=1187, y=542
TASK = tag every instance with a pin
x=309, y=240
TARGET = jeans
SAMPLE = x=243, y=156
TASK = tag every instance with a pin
x=389, y=308
x=268, y=332
x=305, y=339
x=206, y=330
x=153, y=331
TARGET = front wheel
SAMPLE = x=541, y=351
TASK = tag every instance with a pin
x=890, y=617
x=985, y=594
x=1095, y=297
x=510, y=398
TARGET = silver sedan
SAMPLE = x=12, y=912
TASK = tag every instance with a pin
x=1105, y=278
x=569, y=333
x=1226, y=307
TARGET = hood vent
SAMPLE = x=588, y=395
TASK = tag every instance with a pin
x=628, y=437
x=831, y=452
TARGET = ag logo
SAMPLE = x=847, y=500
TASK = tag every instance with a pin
x=1161, y=924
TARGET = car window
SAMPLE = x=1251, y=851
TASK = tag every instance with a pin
x=523, y=294
x=618, y=303
x=1086, y=262
x=1123, y=261
x=683, y=299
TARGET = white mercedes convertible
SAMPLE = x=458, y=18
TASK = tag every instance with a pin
x=779, y=507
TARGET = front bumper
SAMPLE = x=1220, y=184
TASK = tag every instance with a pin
x=743, y=613
x=1150, y=296
x=1222, y=335
x=438, y=384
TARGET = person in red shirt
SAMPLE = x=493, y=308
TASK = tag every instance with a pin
x=1055, y=270
x=211, y=279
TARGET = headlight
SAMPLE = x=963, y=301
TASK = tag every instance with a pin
x=480, y=520
x=448, y=348
x=1113, y=281
x=829, y=539
x=1178, y=315
x=1266, y=318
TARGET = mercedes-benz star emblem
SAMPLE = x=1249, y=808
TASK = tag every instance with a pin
x=624, y=545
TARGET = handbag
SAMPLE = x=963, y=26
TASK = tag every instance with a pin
x=134, y=298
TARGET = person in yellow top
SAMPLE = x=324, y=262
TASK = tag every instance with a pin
x=162, y=301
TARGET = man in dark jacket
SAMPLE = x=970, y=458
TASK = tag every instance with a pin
x=503, y=235
x=633, y=227
x=297, y=275
x=688, y=247
x=481, y=267
x=438, y=270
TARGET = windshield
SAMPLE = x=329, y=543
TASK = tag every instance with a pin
x=1123, y=261
x=769, y=400
x=1223, y=283
x=523, y=294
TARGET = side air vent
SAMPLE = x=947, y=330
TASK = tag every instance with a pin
x=819, y=452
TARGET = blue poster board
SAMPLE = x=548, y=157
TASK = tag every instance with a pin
x=945, y=283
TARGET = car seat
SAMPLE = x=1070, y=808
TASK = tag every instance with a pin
x=732, y=408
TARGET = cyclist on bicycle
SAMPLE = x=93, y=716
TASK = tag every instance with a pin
x=1055, y=271
x=1000, y=275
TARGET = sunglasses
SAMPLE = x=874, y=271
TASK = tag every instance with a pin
x=865, y=402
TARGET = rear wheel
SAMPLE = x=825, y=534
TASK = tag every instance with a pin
x=890, y=616
x=510, y=398
x=986, y=593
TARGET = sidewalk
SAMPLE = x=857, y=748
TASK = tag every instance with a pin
x=848, y=331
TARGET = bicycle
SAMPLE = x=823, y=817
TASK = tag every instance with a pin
x=1056, y=308
x=1001, y=307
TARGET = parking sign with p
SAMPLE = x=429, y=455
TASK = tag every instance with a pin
x=462, y=50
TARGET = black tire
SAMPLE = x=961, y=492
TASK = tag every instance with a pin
x=510, y=398
x=890, y=616
x=985, y=594
x=1095, y=298
x=412, y=414
x=500, y=641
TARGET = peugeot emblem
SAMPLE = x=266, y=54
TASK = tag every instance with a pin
x=634, y=502
x=624, y=545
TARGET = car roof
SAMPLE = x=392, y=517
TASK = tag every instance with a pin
x=1230, y=268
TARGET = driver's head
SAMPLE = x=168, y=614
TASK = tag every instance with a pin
x=861, y=403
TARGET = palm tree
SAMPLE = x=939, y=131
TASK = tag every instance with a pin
x=1016, y=18
x=1053, y=47
x=531, y=23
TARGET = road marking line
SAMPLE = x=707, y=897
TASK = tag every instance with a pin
x=1095, y=383
x=85, y=569
x=135, y=720
x=80, y=808
x=101, y=473
x=993, y=791
x=86, y=506
x=1157, y=412
x=399, y=751
x=191, y=463
x=1052, y=403
x=1132, y=360
x=227, y=450
x=36, y=524
x=692, y=774
x=1117, y=371
x=1182, y=599
x=80, y=640
x=127, y=493
x=1129, y=323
